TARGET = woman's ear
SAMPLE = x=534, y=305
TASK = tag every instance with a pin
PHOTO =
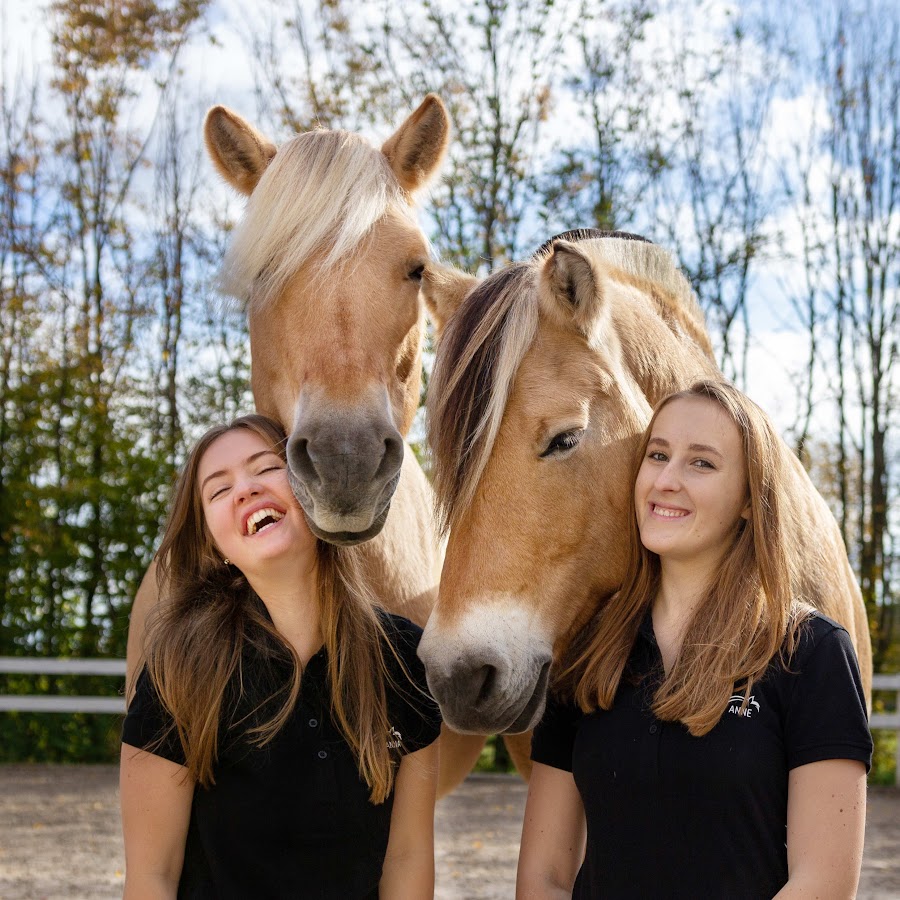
x=745, y=513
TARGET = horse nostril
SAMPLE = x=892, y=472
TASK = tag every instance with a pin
x=392, y=458
x=488, y=677
x=300, y=461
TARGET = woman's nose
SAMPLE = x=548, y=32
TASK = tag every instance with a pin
x=245, y=489
x=667, y=478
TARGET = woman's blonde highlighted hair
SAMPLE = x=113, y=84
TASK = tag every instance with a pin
x=746, y=617
x=210, y=617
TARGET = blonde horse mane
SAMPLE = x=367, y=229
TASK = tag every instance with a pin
x=487, y=338
x=323, y=191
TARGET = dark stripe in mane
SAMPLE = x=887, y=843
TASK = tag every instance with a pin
x=586, y=234
x=463, y=383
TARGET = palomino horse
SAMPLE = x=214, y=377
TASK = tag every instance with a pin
x=328, y=260
x=545, y=377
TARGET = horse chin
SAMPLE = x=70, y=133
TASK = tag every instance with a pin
x=343, y=538
x=349, y=538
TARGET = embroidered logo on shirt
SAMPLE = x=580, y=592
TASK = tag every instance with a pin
x=735, y=703
x=394, y=739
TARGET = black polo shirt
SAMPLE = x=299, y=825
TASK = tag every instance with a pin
x=293, y=819
x=674, y=816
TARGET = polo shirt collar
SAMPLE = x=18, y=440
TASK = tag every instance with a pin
x=645, y=630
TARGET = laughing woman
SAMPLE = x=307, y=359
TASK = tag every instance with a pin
x=281, y=738
x=709, y=737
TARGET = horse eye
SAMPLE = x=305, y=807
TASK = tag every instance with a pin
x=560, y=443
x=417, y=273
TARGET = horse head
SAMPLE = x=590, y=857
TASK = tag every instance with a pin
x=544, y=379
x=328, y=259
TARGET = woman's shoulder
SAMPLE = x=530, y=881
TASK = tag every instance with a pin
x=817, y=631
x=148, y=725
x=820, y=694
x=822, y=657
x=402, y=644
x=400, y=631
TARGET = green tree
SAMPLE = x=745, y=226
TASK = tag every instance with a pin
x=81, y=480
x=101, y=51
x=851, y=307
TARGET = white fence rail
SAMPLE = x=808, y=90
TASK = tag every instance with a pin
x=31, y=703
x=21, y=665
x=889, y=721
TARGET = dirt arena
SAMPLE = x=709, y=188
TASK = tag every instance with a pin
x=60, y=838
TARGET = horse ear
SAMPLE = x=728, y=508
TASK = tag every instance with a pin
x=238, y=151
x=416, y=149
x=444, y=289
x=573, y=285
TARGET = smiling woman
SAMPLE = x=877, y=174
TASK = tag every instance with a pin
x=691, y=489
x=251, y=514
x=685, y=752
x=281, y=726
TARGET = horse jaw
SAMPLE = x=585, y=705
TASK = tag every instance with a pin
x=488, y=671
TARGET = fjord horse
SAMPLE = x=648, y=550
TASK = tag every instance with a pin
x=545, y=377
x=328, y=260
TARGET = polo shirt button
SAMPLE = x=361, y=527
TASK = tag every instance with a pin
x=323, y=754
x=653, y=729
x=313, y=723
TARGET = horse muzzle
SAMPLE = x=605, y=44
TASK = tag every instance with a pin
x=344, y=474
x=487, y=680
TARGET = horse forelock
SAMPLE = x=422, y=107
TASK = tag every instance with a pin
x=320, y=196
x=479, y=355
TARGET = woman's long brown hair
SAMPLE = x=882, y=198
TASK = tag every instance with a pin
x=746, y=617
x=210, y=617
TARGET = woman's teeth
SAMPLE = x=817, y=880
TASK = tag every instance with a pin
x=262, y=515
x=669, y=513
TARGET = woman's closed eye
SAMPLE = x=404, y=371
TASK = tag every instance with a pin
x=223, y=487
x=218, y=491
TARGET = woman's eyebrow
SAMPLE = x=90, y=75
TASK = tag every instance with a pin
x=694, y=448
x=704, y=448
x=252, y=458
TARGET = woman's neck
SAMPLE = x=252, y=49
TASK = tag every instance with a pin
x=681, y=588
x=290, y=594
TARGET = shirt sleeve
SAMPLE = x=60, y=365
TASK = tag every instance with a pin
x=554, y=738
x=415, y=718
x=148, y=724
x=827, y=716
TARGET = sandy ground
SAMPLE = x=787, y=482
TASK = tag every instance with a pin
x=60, y=838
